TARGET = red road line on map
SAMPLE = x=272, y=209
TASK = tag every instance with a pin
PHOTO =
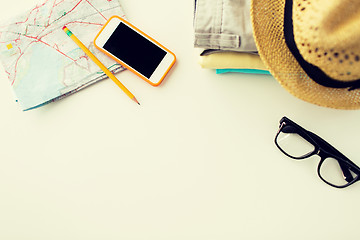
x=38, y=39
x=52, y=9
x=16, y=63
x=74, y=7
x=22, y=53
x=36, y=8
x=36, y=15
x=96, y=9
x=59, y=2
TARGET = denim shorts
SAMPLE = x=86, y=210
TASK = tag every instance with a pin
x=223, y=25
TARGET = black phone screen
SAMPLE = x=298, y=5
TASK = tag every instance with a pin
x=134, y=50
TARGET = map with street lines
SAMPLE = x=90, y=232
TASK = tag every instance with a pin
x=42, y=63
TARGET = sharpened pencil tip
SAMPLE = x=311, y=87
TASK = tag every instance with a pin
x=135, y=100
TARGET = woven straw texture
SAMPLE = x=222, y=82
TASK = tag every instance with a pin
x=267, y=19
x=327, y=37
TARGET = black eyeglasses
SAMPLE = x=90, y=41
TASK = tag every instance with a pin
x=298, y=143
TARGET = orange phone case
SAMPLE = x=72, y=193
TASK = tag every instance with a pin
x=124, y=64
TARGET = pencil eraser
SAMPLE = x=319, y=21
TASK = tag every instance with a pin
x=63, y=27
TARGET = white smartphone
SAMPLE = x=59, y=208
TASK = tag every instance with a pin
x=135, y=50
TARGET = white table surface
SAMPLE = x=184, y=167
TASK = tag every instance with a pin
x=195, y=161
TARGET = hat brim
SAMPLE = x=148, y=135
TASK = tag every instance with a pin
x=268, y=26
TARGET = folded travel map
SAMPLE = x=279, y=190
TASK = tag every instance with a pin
x=42, y=63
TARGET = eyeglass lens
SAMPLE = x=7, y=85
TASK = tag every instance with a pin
x=293, y=144
x=331, y=172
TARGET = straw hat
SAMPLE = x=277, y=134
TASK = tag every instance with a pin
x=312, y=47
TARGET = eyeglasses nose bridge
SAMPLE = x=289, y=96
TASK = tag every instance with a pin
x=323, y=155
x=319, y=152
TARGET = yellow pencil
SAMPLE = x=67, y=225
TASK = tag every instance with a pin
x=97, y=61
